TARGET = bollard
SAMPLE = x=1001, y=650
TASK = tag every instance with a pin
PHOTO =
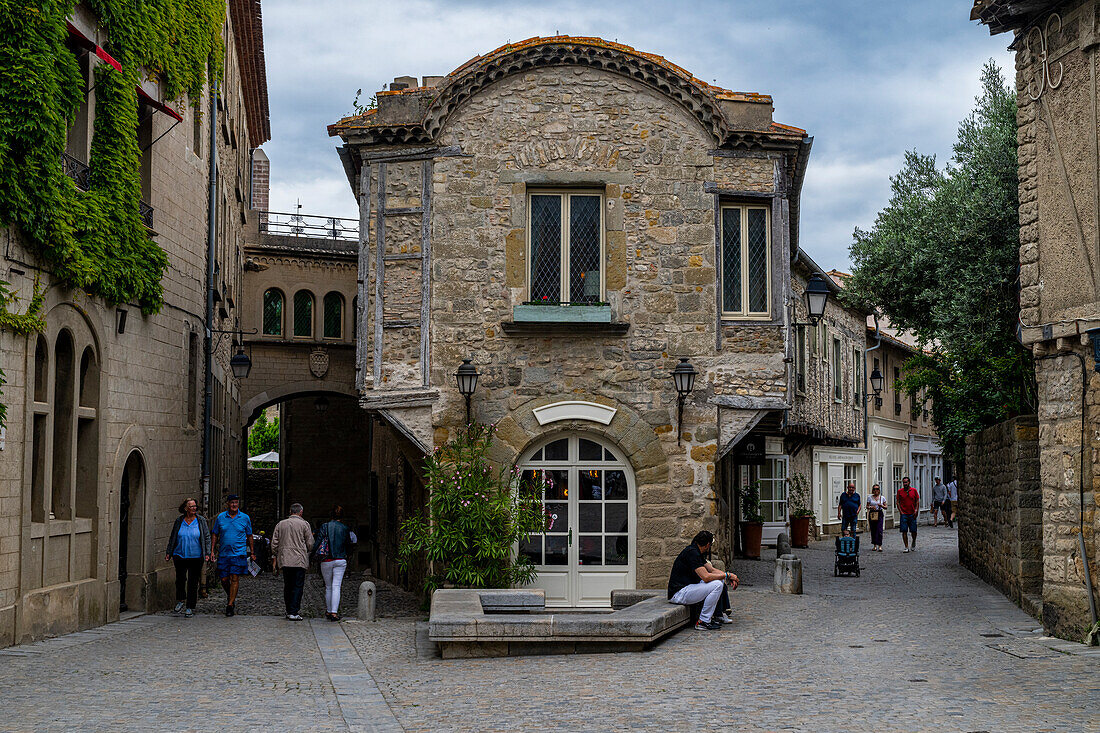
x=367, y=597
x=788, y=575
x=782, y=545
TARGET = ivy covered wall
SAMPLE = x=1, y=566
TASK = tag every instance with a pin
x=93, y=240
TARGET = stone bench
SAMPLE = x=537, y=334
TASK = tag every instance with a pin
x=498, y=623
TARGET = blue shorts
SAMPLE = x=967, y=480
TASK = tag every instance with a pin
x=909, y=523
x=236, y=565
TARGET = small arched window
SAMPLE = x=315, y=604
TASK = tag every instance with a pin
x=273, y=312
x=303, y=313
x=334, y=316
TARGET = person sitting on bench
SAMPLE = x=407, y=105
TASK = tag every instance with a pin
x=694, y=579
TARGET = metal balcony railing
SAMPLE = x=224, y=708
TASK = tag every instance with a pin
x=77, y=170
x=333, y=228
x=145, y=211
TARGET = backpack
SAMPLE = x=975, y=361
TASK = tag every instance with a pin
x=322, y=551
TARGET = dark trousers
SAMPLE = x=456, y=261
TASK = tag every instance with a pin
x=294, y=579
x=948, y=516
x=849, y=522
x=877, y=527
x=188, y=572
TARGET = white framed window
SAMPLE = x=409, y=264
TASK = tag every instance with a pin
x=746, y=261
x=838, y=375
x=565, y=247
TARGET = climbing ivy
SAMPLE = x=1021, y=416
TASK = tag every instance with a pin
x=24, y=324
x=93, y=240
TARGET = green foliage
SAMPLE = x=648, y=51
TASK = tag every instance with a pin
x=750, y=503
x=476, y=514
x=798, y=495
x=24, y=324
x=941, y=262
x=263, y=437
x=93, y=240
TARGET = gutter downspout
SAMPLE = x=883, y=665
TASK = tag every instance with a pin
x=866, y=382
x=211, y=235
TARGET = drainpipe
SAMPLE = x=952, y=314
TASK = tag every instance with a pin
x=211, y=234
x=866, y=383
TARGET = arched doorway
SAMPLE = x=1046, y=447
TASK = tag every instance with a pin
x=589, y=491
x=131, y=535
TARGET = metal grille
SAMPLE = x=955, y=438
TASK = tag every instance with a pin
x=731, y=260
x=334, y=313
x=545, y=249
x=77, y=170
x=273, y=313
x=145, y=211
x=584, y=249
x=758, y=261
x=303, y=313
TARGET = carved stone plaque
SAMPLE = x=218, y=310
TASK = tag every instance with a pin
x=318, y=363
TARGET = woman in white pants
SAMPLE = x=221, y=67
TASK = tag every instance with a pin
x=335, y=561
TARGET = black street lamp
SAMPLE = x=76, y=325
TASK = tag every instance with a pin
x=817, y=295
x=241, y=364
x=320, y=404
x=683, y=379
x=876, y=385
x=466, y=376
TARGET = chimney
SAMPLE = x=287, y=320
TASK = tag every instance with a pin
x=402, y=82
x=261, y=185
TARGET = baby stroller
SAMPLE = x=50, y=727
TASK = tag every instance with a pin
x=847, y=556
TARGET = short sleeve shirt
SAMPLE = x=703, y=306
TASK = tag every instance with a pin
x=683, y=569
x=908, y=500
x=939, y=492
x=849, y=505
x=232, y=534
x=953, y=491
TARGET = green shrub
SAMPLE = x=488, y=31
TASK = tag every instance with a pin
x=477, y=512
x=750, y=503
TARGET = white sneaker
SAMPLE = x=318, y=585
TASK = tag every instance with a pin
x=293, y=617
x=725, y=620
x=905, y=549
x=178, y=608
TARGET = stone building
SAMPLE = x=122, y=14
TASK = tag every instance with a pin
x=1056, y=45
x=105, y=419
x=574, y=216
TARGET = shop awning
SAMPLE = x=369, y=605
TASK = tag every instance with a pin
x=158, y=106
x=269, y=457
x=84, y=41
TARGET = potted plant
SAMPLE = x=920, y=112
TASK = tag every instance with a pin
x=798, y=500
x=752, y=521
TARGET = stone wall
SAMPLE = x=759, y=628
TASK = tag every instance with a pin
x=1000, y=511
x=260, y=498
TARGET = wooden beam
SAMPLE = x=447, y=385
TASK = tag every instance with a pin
x=405, y=211
x=363, y=274
x=398, y=156
x=379, y=273
x=425, y=269
x=712, y=187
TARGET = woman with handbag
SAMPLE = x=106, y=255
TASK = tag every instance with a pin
x=333, y=541
x=188, y=547
x=876, y=517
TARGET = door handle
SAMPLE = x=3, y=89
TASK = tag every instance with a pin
x=570, y=536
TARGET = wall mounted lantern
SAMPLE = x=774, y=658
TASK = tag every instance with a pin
x=817, y=295
x=876, y=385
x=466, y=376
x=321, y=404
x=683, y=379
x=241, y=363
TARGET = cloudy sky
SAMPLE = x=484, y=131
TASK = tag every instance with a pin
x=868, y=80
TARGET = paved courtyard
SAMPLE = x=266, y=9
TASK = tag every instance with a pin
x=917, y=643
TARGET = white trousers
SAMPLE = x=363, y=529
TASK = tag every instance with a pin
x=333, y=573
x=708, y=593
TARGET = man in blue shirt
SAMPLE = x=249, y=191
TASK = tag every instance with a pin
x=232, y=535
x=847, y=511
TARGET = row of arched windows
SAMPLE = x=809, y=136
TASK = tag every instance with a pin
x=302, y=321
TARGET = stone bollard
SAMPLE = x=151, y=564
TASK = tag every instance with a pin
x=782, y=545
x=367, y=597
x=788, y=574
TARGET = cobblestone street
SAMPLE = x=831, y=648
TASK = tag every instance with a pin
x=916, y=643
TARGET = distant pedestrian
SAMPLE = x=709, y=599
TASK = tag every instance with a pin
x=876, y=516
x=333, y=540
x=290, y=546
x=188, y=547
x=847, y=510
x=907, y=501
x=951, y=505
x=232, y=533
x=939, y=496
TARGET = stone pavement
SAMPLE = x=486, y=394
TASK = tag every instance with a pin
x=914, y=644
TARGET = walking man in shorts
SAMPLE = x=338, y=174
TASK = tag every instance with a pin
x=232, y=535
x=907, y=500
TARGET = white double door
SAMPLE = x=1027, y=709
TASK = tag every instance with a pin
x=588, y=550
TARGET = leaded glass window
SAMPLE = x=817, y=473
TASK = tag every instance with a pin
x=746, y=261
x=303, y=313
x=273, y=313
x=333, y=315
x=566, y=247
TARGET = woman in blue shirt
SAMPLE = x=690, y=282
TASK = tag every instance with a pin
x=188, y=548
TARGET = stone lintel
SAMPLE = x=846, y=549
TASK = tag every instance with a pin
x=567, y=178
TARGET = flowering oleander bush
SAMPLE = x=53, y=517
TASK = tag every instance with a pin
x=477, y=512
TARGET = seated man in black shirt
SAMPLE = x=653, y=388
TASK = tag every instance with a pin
x=694, y=579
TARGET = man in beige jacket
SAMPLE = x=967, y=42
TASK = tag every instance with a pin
x=290, y=546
